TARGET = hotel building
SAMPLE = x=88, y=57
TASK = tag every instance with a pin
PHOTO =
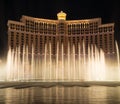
x=38, y=33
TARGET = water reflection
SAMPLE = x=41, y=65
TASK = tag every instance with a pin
x=61, y=95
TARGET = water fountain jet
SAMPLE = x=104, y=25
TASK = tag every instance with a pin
x=69, y=67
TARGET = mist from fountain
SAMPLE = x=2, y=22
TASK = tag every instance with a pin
x=61, y=67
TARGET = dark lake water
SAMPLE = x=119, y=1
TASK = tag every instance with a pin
x=61, y=95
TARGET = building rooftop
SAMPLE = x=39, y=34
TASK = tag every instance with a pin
x=61, y=15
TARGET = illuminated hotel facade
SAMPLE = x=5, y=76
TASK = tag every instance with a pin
x=36, y=32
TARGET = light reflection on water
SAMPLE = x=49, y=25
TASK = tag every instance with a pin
x=61, y=95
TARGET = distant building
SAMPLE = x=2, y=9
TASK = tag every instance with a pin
x=36, y=32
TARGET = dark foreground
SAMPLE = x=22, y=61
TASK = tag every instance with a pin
x=18, y=85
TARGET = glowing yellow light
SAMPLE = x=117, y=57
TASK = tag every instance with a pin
x=61, y=15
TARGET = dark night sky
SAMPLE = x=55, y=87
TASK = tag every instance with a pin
x=108, y=10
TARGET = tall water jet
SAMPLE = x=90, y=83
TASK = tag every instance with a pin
x=59, y=67
x=118, y=59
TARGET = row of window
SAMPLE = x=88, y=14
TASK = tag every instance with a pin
x=51, y=28
x=23, y=36
x=106, y=29
x=105, y=41
x=83, y=25
x=17, y=27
